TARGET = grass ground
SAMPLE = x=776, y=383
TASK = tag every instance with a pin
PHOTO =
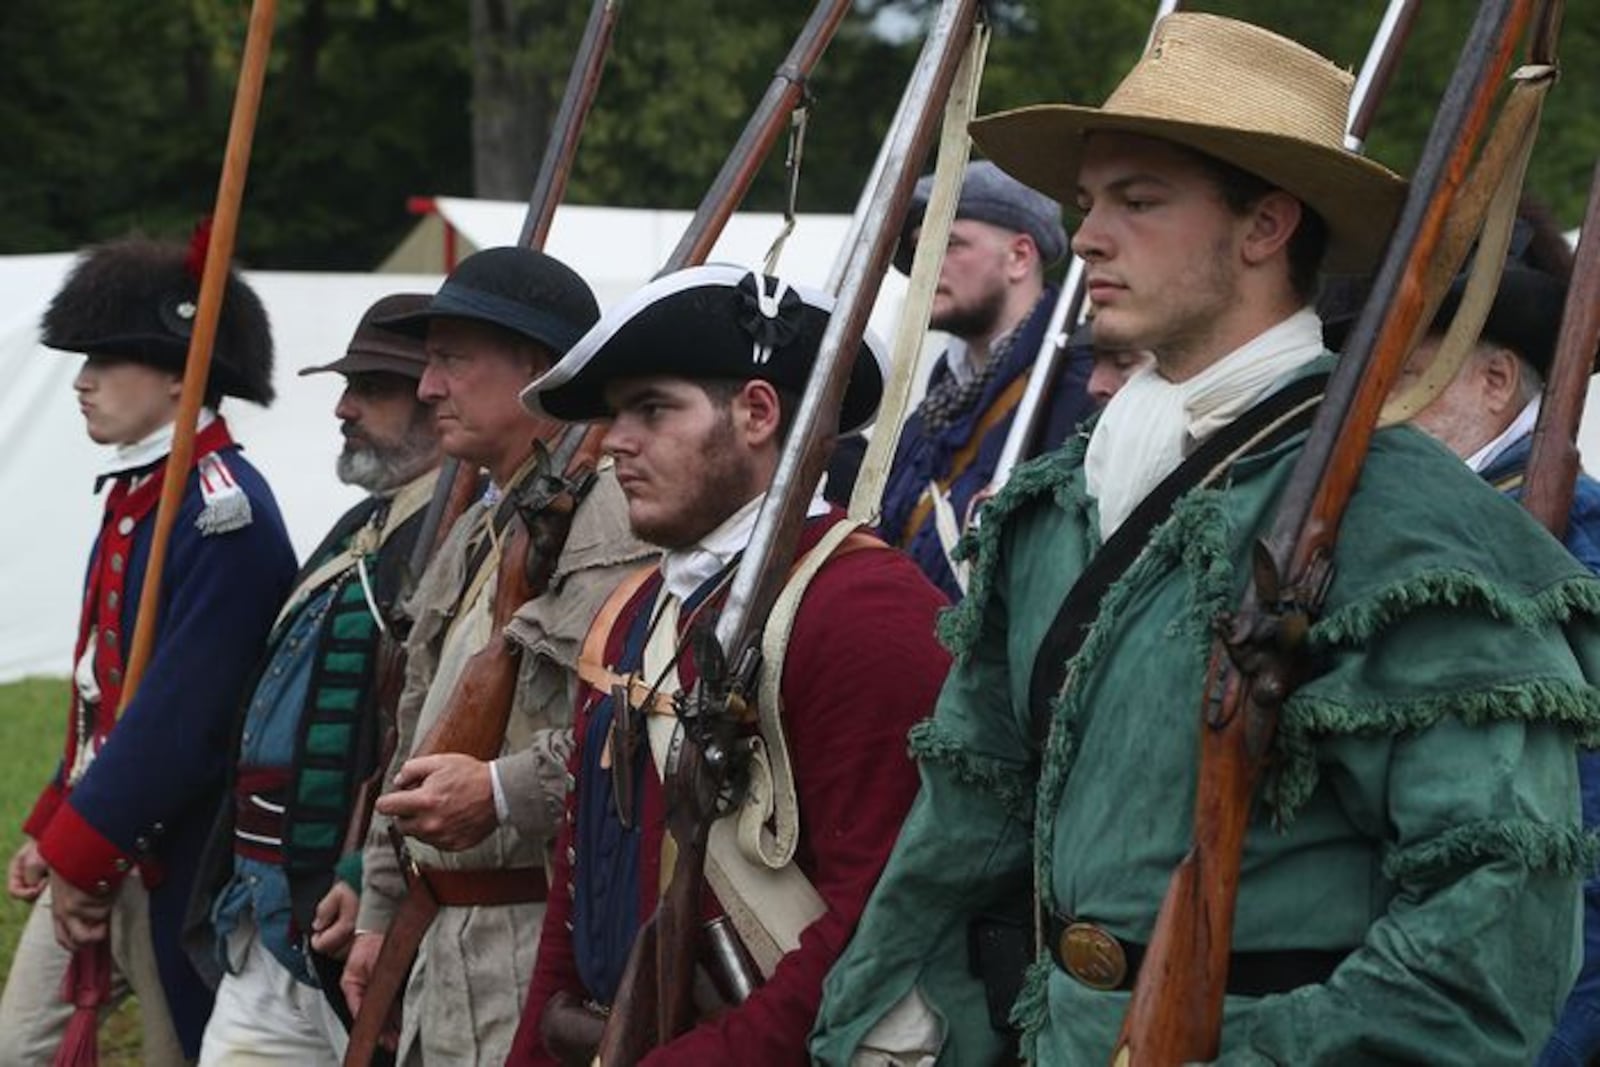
x=32, y=718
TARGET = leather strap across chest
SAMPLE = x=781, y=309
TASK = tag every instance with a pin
x=1265, y=425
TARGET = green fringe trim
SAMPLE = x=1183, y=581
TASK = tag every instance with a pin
x=1031, y=1012
x=1305, y=720
x=1197, y=537
x=1536, y=846
x=1049, y=475
x=1358, y=623
x=931, y=742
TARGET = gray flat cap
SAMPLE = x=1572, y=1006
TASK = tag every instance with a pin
x=989, y=194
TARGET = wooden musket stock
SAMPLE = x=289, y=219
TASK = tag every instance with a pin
x=1175, y=1015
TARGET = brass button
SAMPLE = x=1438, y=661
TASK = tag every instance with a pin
x=116, y=563
x=1092, y=956
x=115, y=675
x=113, y=599
x=141, y=844
x=109, y=637
x=102, y=888
x=121, y=865
x=125, y=526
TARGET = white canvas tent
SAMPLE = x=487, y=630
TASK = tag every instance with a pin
x=47, y=465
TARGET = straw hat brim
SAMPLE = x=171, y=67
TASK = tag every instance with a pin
x=1043, y=146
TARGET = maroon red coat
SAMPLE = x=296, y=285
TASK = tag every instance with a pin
x=862, y=667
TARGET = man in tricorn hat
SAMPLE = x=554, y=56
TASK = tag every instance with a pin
x=701, y=372
x=114, y=839
x=1411, y=874
x=270, y=917
x=993, y=301
x=1486, y=414
x=476, y=831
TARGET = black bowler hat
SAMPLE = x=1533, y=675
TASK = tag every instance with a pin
x=137, y=299
x=711, y=322
x=517, y=289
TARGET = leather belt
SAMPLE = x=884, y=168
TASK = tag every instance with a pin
x=1100, y=960
x=452, y=888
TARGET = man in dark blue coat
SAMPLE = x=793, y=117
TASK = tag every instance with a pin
x=114, y=839
x=993, y=301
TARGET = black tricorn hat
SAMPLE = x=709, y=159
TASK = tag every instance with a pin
x=136, y=298
x=1525, y=316
x=712, y=322
x=374, y=348
x=517, y=289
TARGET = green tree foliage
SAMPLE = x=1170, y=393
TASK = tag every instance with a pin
x=116, y=113
x=116, y=116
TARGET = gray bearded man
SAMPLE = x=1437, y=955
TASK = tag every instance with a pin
x=271, y=913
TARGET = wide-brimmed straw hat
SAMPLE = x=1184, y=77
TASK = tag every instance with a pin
x=1238, y=93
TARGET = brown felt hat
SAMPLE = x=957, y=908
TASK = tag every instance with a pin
x=1238, y=93
x=374, y=348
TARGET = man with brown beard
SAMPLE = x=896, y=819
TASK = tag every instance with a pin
x=271, y=912
x=700, y=373
x=993, y=301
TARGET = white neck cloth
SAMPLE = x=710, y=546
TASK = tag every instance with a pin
x=1151, y=424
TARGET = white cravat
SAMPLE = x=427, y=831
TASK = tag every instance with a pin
x=1151, y=424
x=1520, y=427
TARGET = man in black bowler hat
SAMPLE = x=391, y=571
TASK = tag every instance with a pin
x=501, y=319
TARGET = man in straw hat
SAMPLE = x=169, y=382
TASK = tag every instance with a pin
x=269, y=916
x=701, y=372
x=478, y=830
x=1411, y=876
x=114, y=840
x=993, y=301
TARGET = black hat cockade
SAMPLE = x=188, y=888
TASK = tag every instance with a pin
x=712, y=322
x=137, y=299
x=517, y=289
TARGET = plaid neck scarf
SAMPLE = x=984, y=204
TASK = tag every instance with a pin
x=950, y=399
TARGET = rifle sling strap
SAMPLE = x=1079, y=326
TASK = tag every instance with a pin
x=1268, y=423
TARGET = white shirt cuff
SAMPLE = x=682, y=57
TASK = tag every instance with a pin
x=502, y=810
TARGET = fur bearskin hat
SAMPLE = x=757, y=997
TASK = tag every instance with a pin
x=135, y=298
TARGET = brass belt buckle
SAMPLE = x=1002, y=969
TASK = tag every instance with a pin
x=1092, y=956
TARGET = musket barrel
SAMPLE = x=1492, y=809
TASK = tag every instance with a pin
x=582, y=84
x=1553, y=462
x=760, y=134
x=1383, y=59
x=1360, y=383
x=758, y=580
